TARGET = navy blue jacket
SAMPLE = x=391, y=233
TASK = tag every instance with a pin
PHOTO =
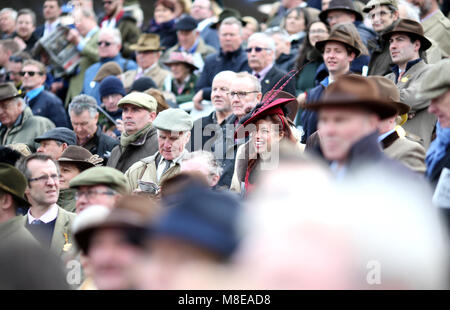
x=234, y=61
x=48, y=105
x=273, y=77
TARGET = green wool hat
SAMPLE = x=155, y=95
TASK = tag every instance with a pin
x=139, y=99
x=107, y=176
x=173, y=120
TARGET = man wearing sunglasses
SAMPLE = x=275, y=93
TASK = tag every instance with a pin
x=47, y=222
x=115, y=16
x=42, y=102
x=261, y=58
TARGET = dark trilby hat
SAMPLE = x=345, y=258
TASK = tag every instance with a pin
x=77, y=155
x=147, y=42
x=339, y=35
x=355, y=91
x=411, y=27
x=13, y=182
x=228, y=12
x=187, y=23
x=389, y=91
x=61, y=134
x=8, y=91
x=344, y=5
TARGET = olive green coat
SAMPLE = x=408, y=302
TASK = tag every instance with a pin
x=66, y=199
x=437, y=27
x=13, y=232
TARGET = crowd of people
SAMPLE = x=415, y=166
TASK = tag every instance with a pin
x=203, y=149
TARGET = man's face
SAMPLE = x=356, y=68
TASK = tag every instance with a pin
x=51, y=148
x=68, y=171
x=336, y=17
x=84, y=125
x=281, y=46
x=171, y=144
x=13, y=69
x=135, y=118
x=94, y=195
x=7, y=23
x=4, y=56
x=336, y=58
x=201, y=9
x=340, y=128
x=110, y=102
x=199, y=165
x=381, y=17
x=402, y=49
x=219, y=95
x=9, y=111
x=259, y=60
x=51, y=10
x=107, y=46
x=33, y=77
x=424, y=5
x=110, y=257
x=110, y=6
x=230, y=38
x=81, y=22
x=440, y=107
x=243, y=97
x=25, y=26
x=145, y=59
x=186, y=38
x=43, y=192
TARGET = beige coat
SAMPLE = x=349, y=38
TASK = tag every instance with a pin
x=437, y=27
x=145, y=170
x=156, y=73
x=420, y=123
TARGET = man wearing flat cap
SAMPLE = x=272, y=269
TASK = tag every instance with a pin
x=98, y=186
x=12, y=188
x=148, y=51
x=435, y=86
x=174, y=131
x=18, y=124
x=190, y=41
x=139, y=138
x=406, y=42
x=55, y=141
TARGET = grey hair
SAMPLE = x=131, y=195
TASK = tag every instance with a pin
x=265, y=38
x=226, y=75
x=10, y=11
x=114, y=32
x=88, y=13
x=278, y=31
x=411, y=10
x=21, y=101
x=83, y=103
x=214, y=166
x=251, y=78
x=232, y=21
x=22, y=164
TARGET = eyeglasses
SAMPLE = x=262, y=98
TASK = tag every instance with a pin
x=257, y=49
x=45, y=178
x=100, y=43
x=381, y=14
x=317, y=31
x=30, y=73
x=90, y=194
x=240, y=94
x=16, y=59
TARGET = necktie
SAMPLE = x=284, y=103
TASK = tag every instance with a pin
x=167, y=162
x=257, y=76
x=37, y=222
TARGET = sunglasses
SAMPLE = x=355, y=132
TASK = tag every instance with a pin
x=257, y=49
x=30, y=73
x=100, y=43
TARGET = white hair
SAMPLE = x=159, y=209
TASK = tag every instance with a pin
x=260, y=36
x=412, y=12
x=224, y=75
x=10, y=11
x=112, y=31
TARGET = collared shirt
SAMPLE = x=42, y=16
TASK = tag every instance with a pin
x=206, y=22
x=384, y=135
x=49, y=28
x=161, y=167
x=142, y=72
x=429, y=15
x=263, y=72
x=338, y=171
x=192, y=49
x=31, y=94
x=88, y=36
x=50, y=215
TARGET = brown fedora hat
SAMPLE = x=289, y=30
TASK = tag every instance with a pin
x=389, y=91
x=107, y=69
x=8, y=91
x=147, y=42
x=13, y=182
x=355, y=91
x=340, y=36
x=412, y=27
x=341, y=5
x=78, y=156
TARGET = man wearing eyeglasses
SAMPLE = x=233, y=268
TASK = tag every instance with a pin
x=261, y=58
x=42, y=102
x=47, y=222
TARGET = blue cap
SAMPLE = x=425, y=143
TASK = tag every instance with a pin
x=61, y=134
x=111, y=85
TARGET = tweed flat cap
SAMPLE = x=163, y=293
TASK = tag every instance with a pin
x=13, y=182
x=139, y=99
x=61, y=134
x=173, y=120
x=435, y=82
x=8, y=91
x=374, y=3
x=102, y=176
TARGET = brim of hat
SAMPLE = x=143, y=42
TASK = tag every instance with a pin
x=122, y=103
x=320, y=45
x=323, y=14
x=431, y=93
x=80, y=163
x=193, y=67
x=39, y=139
x=184, y=28
x=10, y=97
x=216, y=24
x=424, y=42
x=140, y=48
x=403, y=108
x=384, y=109
x=21, y=200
